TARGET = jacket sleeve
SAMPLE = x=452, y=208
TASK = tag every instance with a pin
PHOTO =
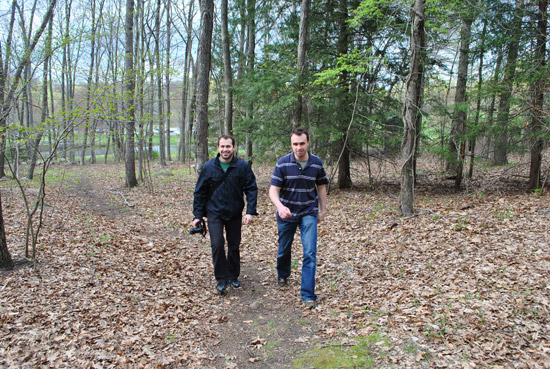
x=251, y=191
x=200, y=196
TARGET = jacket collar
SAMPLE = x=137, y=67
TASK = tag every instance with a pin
x=232, y=163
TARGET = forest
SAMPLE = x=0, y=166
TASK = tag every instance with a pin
x=431, y=118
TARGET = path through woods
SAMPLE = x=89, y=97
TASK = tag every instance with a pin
x=463, y=284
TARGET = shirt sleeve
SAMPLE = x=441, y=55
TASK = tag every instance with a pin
x=251, y=191
x=322, y=178
x=277, y=178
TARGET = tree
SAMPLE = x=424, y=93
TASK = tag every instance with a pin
x=162, y=143
x=250, y=69
x=457, y=142
x=4, y=63
x=301, y=60
x=44, y=116
x=227, y=73
x=540, y=79
x=93, y=51
x=7, y=104
x=412, y=108
x=203, y=82
x=344, y=170
x=503, y=114
x=167, y=79
x=6, y=262
x=129, y=89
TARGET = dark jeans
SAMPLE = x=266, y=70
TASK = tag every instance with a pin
x=226, y=267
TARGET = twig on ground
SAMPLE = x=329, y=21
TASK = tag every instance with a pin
x=249, y=353
x=123, y=197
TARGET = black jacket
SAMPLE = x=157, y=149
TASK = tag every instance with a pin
x=221, y=194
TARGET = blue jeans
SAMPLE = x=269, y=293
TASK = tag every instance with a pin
x=308, y=232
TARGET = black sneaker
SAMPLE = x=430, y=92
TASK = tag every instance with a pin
x=221, y=288
x=282, y=281
x=235, y=283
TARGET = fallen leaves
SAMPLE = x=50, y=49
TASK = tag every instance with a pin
x=463, y=284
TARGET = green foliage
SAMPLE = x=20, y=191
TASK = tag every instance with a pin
x=357, y=62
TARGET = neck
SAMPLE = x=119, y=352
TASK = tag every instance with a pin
x=303, y=158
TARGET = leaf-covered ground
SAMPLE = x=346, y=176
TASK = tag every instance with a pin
x=120, y=283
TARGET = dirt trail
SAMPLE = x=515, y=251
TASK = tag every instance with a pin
x=259, y=325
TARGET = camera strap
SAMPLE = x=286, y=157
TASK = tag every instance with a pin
x=213, y=190
x=204, y=229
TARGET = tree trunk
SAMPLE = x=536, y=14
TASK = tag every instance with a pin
x=473, y=137
x=458, y=128
x=344, y=169
x=89, y=86
x=6, y=261
x=162, y=145
x=129, y=92
x=411, y=109
x=251, y=65
x=203, y=82
x=301, y=61
x=140, y=58
x=541, y=76
x=183, y=150
x=36, y=142
x=503, y=115
x=4, y=65
x=167, y=79
x=227, y=72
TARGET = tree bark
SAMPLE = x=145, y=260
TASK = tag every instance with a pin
x=344, y=169
x=129, y=92
x=411, y=109
x=167, y=79
x=540, y=78
x=39, y=134
x=6, y=261
x=301, y=61
x=458, y=128
x=4, y=65
x=227, y=72
x=473, y=137
x=203, y=82
x=89, y=86
x=162, y=144
x=503, y=115
x=251, y=65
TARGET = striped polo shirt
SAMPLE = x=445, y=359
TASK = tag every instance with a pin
x=299, y=186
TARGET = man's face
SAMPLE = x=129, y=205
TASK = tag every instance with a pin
x=226, y=149
x=300, y=146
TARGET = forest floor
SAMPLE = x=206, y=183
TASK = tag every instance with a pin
x=119, y=282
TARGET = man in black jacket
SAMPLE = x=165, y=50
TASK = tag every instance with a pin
x=219, y=196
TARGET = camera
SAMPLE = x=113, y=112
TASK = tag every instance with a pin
x=200, y=228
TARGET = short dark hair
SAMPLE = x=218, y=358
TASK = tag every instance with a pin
x=298, y=131
x=226, y=137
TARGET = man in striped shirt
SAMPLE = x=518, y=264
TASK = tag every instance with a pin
x=299, y=192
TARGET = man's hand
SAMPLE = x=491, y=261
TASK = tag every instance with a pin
x=248, y=219
x=195, y=222
x=321, y=216
x=284, y=212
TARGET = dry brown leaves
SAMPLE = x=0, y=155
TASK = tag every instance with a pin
x=463, y=284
